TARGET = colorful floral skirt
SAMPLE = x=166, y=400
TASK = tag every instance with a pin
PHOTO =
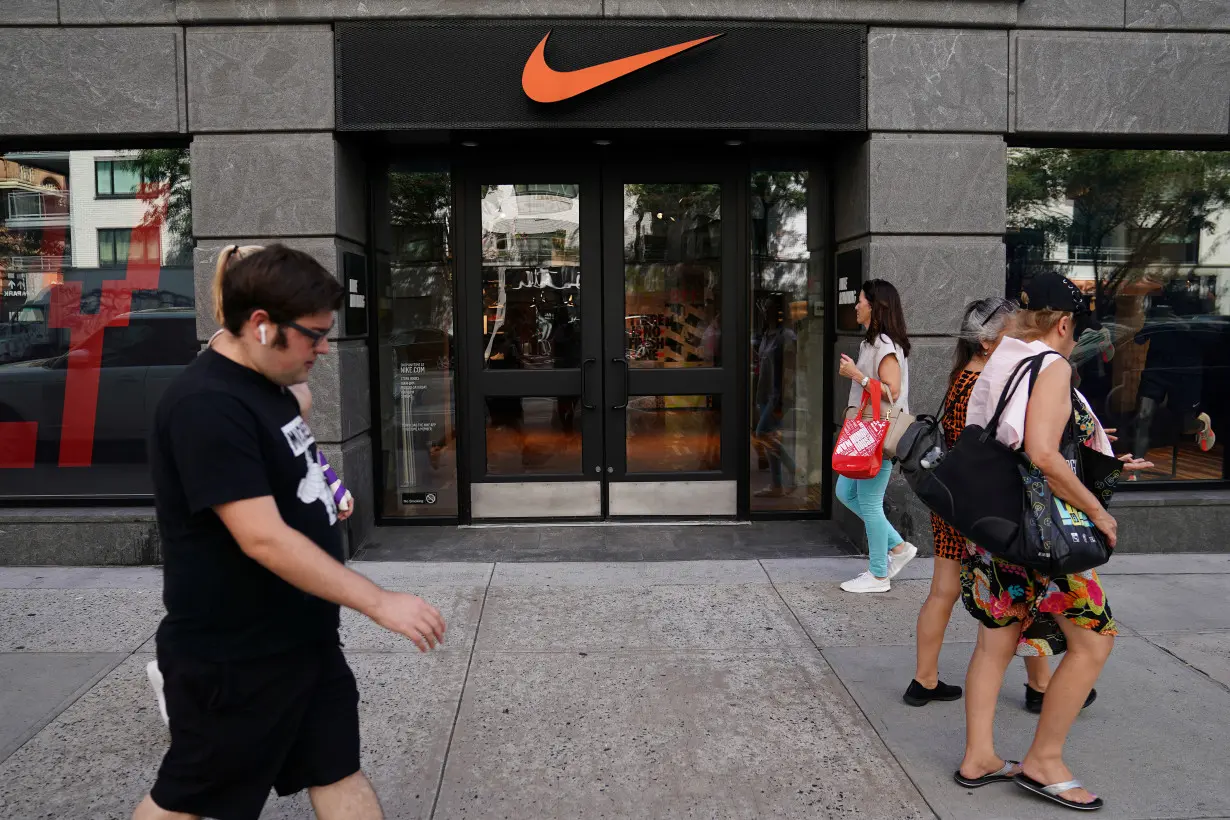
x=999, y=594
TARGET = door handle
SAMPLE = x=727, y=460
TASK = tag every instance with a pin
x=627, y=370
x=585, y=403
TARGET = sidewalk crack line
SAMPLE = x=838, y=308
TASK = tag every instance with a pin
x=465, y=681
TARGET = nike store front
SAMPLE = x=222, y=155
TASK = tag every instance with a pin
x=593, y=249
x=598, y=267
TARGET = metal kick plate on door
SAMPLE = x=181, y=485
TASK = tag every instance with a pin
x=537, y=499
x=674, y=498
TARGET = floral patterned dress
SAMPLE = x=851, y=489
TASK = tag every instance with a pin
x=998, y=593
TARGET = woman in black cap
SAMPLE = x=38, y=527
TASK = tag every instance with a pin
x=1018, y=608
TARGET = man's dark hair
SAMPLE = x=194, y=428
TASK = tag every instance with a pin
x=286, y=283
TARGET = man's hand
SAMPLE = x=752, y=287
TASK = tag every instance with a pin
x=411, y=616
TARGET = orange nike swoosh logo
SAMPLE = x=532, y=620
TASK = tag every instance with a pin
x=544, y=84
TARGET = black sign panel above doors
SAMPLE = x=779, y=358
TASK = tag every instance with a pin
x=465, y=74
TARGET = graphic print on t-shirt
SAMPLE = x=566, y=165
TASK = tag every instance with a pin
x=298, y=435
x=313, y=487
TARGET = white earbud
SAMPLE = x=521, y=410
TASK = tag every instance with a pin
x=264, y=337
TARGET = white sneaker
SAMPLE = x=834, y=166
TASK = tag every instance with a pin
x=897, y=562
x=155, y=680
x=866, y=583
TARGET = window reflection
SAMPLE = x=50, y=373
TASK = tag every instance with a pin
x=787, y=346
x=1146, y=235
x=414, y=322
x=533, y=435
x=531, y=277
x=97, y=314
x=673, y=434
x=673, y=275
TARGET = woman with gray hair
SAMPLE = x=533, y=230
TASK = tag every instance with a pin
x=982, y=328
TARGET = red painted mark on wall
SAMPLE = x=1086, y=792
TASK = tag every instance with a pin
x=86, y=330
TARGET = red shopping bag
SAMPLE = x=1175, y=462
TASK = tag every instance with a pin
x=860, y=446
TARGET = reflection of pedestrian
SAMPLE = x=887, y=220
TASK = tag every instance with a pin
x=775, y=354
x=1173, y=376
x=565, y=346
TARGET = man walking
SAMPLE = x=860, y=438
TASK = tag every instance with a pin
x=258, y=692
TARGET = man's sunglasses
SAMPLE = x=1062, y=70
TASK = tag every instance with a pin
x=314, y=335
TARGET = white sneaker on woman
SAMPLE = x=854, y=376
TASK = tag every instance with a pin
x=155, y=680
x=866, y=582
x=897, y=561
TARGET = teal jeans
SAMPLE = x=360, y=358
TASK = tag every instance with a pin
x=865, y=498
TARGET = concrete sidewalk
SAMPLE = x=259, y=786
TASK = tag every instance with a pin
x=751, y=688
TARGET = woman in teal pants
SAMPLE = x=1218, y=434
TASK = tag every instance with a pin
x=883, y=355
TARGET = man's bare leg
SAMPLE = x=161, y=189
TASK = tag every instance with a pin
x=351, y=798
x=148, y=810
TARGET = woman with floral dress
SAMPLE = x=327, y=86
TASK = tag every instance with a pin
x=1019, y=607
x=982, y=329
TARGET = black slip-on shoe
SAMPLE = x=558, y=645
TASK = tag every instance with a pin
x=1033, y=699
x=918, y=695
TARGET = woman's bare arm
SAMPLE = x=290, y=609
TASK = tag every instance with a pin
x=890, y=375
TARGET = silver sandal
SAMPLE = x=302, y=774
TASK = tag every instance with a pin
x=1002, y=776
x=1053, y=791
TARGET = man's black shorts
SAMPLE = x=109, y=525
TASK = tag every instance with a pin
x=286, y=722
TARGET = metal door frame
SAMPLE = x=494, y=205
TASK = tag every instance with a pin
x=485, y=491
x=722, y=496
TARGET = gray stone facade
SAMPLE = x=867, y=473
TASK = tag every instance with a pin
x=951, y=83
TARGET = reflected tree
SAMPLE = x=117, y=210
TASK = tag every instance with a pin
x=1158, y=197
x=169, y=169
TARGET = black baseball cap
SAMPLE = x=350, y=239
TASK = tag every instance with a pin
x=1054, y=291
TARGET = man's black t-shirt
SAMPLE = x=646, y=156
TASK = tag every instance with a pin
x=224, y=433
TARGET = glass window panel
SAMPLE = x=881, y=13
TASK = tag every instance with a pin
x=671, y=434
x=1146, y=236
x=417, y=360
x=133, y=362
x=531, y=277
x=102, y=172
x=787, y=346
x=121, y=239
x=533, y=435
x=673, y=275
x=106, y=249
x=125, y=178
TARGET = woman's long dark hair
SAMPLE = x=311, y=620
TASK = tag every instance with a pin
x=983, y=321
x=887, y=318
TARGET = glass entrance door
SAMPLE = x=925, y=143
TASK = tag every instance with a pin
x=596, y=367
x=668, y=289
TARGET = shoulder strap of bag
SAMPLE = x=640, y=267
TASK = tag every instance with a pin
x=871, y=394
x=1018, y=375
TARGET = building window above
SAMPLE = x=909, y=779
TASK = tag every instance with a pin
x=117, y=178
x=115, y=248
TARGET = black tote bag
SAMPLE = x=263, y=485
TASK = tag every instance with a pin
x=977, y=488
x=1058, y=539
